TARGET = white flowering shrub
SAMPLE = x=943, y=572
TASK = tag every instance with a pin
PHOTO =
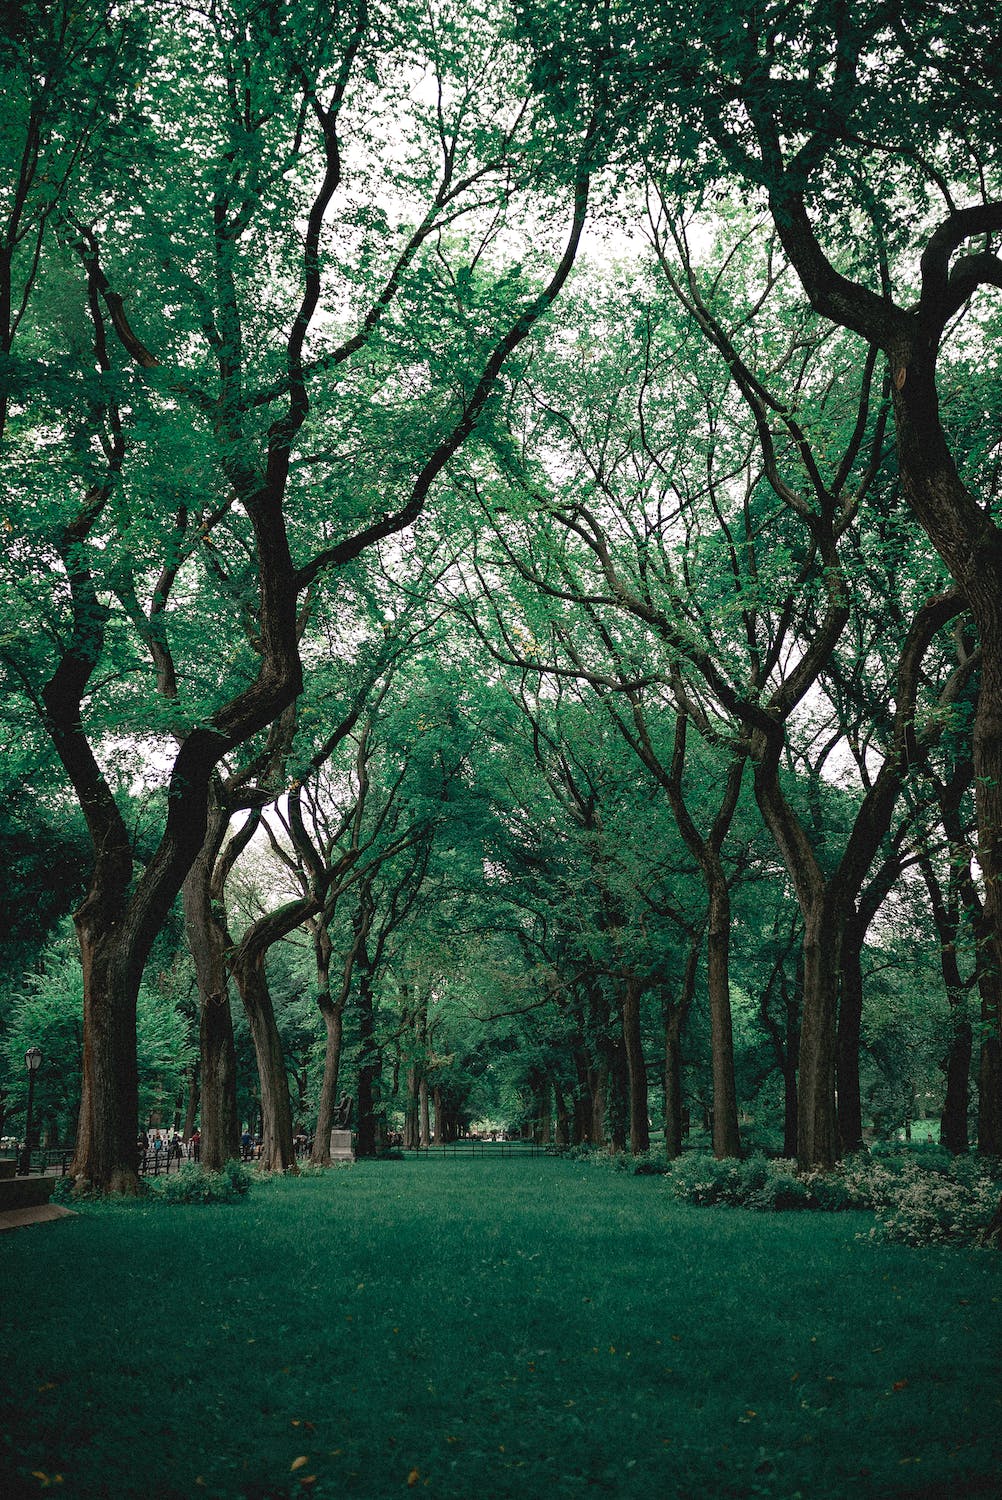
x=935, y=1208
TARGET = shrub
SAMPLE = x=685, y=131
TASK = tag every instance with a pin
x=191, y=1184
x=697, y=1177
x=775, y=1185
x=648, y=1164
x=581, y=1152
x=934, y=1208
x=62, y=1189
x=915, y=1201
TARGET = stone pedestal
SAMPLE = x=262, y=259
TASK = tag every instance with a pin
x=342, y=1146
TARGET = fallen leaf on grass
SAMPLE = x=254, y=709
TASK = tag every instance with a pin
x=413, y=1477
x=298, y=1463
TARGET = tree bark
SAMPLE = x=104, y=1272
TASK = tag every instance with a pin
x=673, y=1085
x=333, y=1018
x=370, y=1062
x=277, y=1149
x=425, y=1112
x=108, y=1129
x=412, y=1111
x=640, y=1139
x=208, y=941
x=953, y=1131
x=581, y=1102
x=726, y=1135
x=990, y=1090
x=598, y=1078
x=561, y=1135
x=191, y=1108
x=850, y=1022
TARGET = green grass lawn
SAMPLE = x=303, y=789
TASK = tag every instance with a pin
x=475, y=1329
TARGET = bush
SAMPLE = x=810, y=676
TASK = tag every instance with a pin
x=935, y=1208
x=191, y=1184
x=697, y=1177
x=62, y=1189
x=916, y=1201
x=581, y=1152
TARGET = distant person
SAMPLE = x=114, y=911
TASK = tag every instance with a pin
x=195, y=1144
x=245, y=1145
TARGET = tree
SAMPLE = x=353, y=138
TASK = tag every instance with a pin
x=868, y=132
x=170, y=610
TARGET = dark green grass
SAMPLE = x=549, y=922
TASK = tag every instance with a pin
x=488, y=1328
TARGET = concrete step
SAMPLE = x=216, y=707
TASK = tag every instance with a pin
x=25, y=1192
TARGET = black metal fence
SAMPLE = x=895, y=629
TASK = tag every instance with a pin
x=52, y=1159
x=153, y=1163
x=55, y=1160
x=467, y=1147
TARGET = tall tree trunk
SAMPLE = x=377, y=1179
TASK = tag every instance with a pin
x=850, y=1022
x=412, y=1111
x=598, y=1079
x=539, y=1084
x=333, y=1018
x=675, y=1014
x=706, y=850
x=953, y=1132
x=220, y=1115
x=277, y=1150
x=726, y=1136
x=562, y=1129
x=618, y=1096
x=193, y=1092
x=582, y=1101
x=370, y=1063
x=108, y=1128
x=817, y=1122
x=640, y=1139
x=208, y=940
x=946, y=906
x=425, y=1112
x=793, y=1007
x=990, y=1090
x=673, y=1084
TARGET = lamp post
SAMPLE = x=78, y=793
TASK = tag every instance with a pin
x=32, y=1061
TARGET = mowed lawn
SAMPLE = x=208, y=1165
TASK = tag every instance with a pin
x=488, y=1328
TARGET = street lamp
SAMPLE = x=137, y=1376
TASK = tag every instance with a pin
x=32, y=1061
